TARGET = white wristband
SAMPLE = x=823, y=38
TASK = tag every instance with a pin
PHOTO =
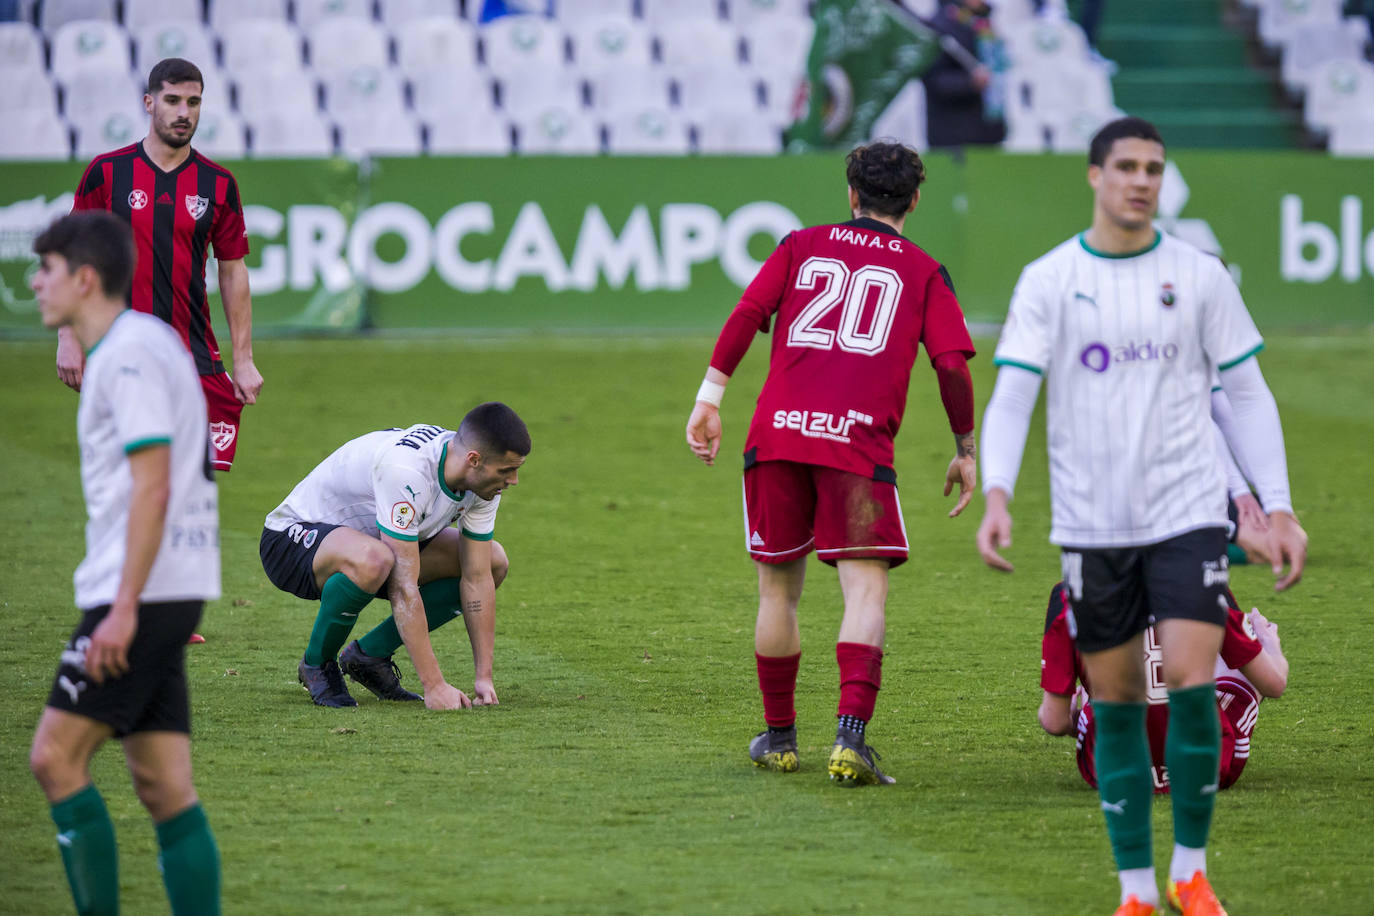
x=710, y=392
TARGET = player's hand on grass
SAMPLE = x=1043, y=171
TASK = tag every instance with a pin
x=247, y=380
x=963, y=470
x=995, y=531
x=446, y=696
x=1287, y=545
x=108, y=654
x=484, y=694
x=71, y=361
x=703, y=431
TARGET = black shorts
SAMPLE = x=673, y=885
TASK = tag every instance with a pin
x=151, y=696
x=288, y=557
x=1116, y=592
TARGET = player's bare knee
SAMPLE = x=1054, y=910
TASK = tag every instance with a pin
x=55, y=767
x=370, y=568
x=161, y=795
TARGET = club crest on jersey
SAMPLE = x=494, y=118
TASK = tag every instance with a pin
x=196, y=205
x=402, y=514
x=138, y=199
x=222, y=435
x=1166, y=295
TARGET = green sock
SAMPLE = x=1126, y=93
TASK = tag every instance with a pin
x=442, y=604
x=189, y=860
x=1123, y=781
x=1192, y=751
x=340, y=602
x=85, y=835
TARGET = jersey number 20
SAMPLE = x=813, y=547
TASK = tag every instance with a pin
x=853, y=289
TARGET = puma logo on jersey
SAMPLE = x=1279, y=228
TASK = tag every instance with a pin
x=1085, y=298
x=820, y=424
x=73, y=690
x=1114, y=807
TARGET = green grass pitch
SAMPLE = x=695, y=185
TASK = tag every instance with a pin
x=613, y=777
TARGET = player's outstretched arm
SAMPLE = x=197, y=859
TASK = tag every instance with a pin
x=1268, y=671
x=71, y=359
x=703, y=426
x=477, y=592
x=409, y=610
x=995, y=531
x=238, y=312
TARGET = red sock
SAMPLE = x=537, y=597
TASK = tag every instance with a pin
x=778, y=684
x=861, y=674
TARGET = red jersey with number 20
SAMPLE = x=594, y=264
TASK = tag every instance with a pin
x=854, y=301
x=176, y=216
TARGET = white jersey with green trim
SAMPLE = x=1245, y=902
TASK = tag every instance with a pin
x=389, y=481
x=140, y=388
x=1128, y=345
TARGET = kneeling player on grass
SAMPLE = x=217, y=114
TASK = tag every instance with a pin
x=375, y=519
x=1250, y=666
x=853, y=302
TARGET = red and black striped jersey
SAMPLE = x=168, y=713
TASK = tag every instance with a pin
x=175, y=216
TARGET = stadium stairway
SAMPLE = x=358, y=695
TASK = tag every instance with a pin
x=1182, y=66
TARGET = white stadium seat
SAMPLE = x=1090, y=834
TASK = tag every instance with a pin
x=650, y=132
x=187, y=40
x=782, y=45
x=92, y=93
x=52, y=16
x=768, y=11
x=220, y=135
x=89, y=45
x=1309, y=47
x=429, y=44
x=738, y=132
x=781, y=92
x=516, y=42
x=267, y=44
x=27, y=89
x=290, y=134
x=363, y=89
x=396, y=12
x=1052, y=40
x=34, y=135
x=140, y=14
x=223, y=12
x=260, y=92
x=1352, y=138
x=1339, y=90
x=470, y=133
x=609, y=41
x=440, y=92
x=392, y=132
x=527, y=92
x=659, y=12
x=1280, y=18
x=558, y=131
x=101, y=133
x=310, y=13
x=20, y=46
x=724, y=89
x=688, y=42
x=574, y=11
x=1058, y=88
x=343, y=43
x=630, y=89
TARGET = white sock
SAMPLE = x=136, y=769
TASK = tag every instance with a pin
x=1186, y=862
x=1140, y=882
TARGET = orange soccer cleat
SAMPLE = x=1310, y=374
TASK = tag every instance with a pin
x=1194, y=897
x=1133, y=907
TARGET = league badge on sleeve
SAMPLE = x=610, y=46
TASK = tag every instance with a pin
x=402, y=514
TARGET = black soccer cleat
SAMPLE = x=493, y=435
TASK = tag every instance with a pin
x=775, y=750
x=854, y=763
x=379, y=675
x=325, y=684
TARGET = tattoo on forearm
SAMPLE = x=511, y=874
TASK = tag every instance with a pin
x=966, y=445
x=473, y=607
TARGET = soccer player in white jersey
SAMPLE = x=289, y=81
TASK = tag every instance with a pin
x=1127, y=325
x=152, y=561
x=376, y=518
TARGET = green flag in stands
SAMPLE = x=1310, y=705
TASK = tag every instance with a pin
x=863, y=53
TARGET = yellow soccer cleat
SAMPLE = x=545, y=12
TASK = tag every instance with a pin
x=852, y=762
x=775, y=750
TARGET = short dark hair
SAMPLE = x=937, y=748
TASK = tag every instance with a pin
x=494, y=429
x=1120, y=129
x=94, y=238
x=173, y=70
x=885, y=175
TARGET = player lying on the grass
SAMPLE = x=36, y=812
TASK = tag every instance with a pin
x=375, y=519
x=152, y=561
x=853, y=303
x=1251, y=666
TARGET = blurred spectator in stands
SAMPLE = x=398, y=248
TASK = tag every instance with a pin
x=9, y=10
x=1089, y=15
x=495, y=9
x=1361, y=8
x=964, y=87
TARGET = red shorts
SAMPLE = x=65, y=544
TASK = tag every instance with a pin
x=224, y=410
x=792, y=508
